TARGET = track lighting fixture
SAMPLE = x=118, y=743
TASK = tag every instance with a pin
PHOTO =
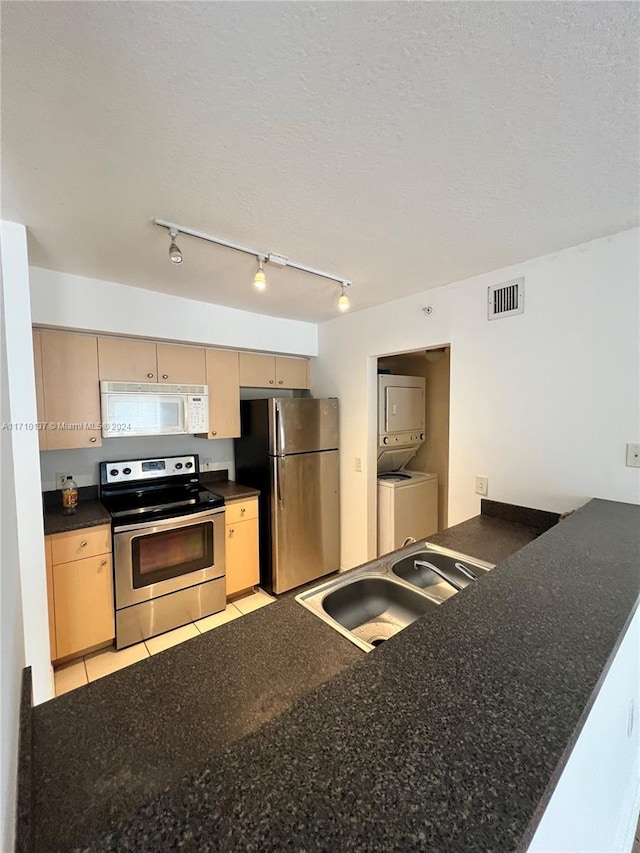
x=175, y=255
x=260, y=279
x=343, y=301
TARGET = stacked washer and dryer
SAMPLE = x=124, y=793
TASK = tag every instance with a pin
x=407, y=500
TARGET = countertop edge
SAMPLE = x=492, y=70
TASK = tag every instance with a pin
x=533, y=824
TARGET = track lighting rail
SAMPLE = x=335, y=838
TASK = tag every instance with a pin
x=262, y=257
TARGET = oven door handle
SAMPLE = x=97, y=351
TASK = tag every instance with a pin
x=175, y=522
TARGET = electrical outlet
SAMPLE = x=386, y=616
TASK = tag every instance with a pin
x=206, y=465
x=482, y=486
x=633, y=455
x=61, y=479
x=358, y=464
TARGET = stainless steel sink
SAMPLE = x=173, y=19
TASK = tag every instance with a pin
x=375, y=608
x=371, y=604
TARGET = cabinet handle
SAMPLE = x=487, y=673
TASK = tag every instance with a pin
x=93, y=439
x=243, y=510
x=214, y=432
x=271, y=382
x=164, y=376
x=280, y=382
x=84, y=543
x=149, y=375
x=103, y=562
x=231, y=531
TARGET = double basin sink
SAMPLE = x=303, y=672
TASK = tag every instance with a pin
x=371, y=604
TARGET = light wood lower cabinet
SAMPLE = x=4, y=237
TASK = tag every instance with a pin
x=50, y=602
x=80, y=590
x=242, y=559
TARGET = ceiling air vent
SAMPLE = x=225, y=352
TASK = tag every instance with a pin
x=506, y=299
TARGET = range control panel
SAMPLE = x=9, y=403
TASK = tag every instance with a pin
x=148, y=469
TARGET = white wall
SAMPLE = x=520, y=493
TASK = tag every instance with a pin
x=12, y=658
x=26, y=458
x=88, y=304
x=83, y=463
x=542, y=403
x=594, y=806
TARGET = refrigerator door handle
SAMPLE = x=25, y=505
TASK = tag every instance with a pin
x=279, y=482
x=279, y=431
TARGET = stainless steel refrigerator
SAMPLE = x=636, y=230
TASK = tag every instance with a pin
x=289, y=450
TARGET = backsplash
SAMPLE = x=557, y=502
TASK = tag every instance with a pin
x=82, y=464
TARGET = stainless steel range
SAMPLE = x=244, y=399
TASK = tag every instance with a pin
x=168, y=545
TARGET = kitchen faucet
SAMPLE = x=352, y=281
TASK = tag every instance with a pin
x=423, y=564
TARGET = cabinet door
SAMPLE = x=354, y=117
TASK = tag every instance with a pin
x=243, y=567
x=292, y=372
x=83, y=602
x=50, y=601
x=71, y=389
x=184, y=365
x=37, y=369
x=257, y=370
x=224, y=393
x=123, y=360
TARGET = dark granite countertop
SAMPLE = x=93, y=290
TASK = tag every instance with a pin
x=89, y=513
x=487, y=538
x=104, y=750
x=448, y=737
x=229, y=490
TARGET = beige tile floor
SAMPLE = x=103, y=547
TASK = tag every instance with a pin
x=98, y=664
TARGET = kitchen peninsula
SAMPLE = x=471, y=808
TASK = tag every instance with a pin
x=450, y=736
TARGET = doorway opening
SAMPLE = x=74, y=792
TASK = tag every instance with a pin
x=416, y=507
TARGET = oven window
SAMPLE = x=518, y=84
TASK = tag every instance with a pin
x=160, y=556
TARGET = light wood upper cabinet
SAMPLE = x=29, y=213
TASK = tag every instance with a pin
x=121, y=359
x=257, y=370
x=268, y=371
x=71, y=389
x=37, y=366
x=242, y=559
x=292, y=372
x=224, y=393
x=184, y=365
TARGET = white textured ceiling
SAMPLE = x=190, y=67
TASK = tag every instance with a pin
x=401, y=145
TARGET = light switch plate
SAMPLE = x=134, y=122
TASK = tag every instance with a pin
x=482, y=486
x=633, y=455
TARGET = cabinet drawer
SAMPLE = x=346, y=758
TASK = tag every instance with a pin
x=241, y=510
x=77, y=544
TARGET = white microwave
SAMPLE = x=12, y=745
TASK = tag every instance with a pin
x=148, y=408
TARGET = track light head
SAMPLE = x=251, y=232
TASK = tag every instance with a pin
x=175, y=255
x=343, y=301
x=260, y=280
